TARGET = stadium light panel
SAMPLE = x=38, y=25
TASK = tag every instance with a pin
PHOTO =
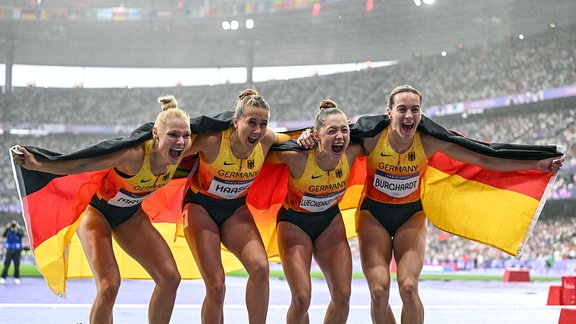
x=226, y=25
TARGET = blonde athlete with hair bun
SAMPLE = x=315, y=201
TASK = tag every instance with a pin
x=309, y=223
x=115, y=211
x=215, y=211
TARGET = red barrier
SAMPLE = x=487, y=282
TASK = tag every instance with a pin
x=567, y=316
x=514, y=274
x=568, y=296
x=554, y=294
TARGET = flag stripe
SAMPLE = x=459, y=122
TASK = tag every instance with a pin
x=528, y=182
x=496, y=217
x=60, y=202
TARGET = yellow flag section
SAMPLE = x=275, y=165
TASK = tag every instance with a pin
x=51, y=263
x=498, y=209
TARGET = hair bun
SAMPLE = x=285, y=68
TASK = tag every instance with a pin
x=247, y=93
x=168, y=102
x=326, y=104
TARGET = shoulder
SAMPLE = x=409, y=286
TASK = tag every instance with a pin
x=204, y=142
x=135, y=152
x=432, y=144
x=369, y=143
x=268, y=139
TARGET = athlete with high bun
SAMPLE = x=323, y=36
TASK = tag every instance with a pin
x=115, y=210
x=215, y=211
x=309, y=223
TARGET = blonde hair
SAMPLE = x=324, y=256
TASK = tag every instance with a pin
x=170, y=110
x=250, y=98
x=325, y=108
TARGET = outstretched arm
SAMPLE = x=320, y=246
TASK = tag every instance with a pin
x=124, y=157
x=456, y=152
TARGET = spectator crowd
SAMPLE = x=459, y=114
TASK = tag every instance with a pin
x=505, y=69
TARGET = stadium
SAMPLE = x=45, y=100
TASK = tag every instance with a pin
x=497, y=71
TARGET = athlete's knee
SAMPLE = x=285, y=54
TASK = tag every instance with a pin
x=170, y=281
x=301, y=302
x=216, y=291
x=108, y=289
x=408, y=291
x=341, y=296
x=260, y=272
x=380, y=294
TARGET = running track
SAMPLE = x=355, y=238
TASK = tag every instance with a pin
x=469, y=302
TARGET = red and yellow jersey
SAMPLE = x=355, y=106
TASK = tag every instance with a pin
x=317, y=190
x=122, y=190
x=228, y=177
x=392, y=177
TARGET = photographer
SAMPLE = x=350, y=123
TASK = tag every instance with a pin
x=13, y=245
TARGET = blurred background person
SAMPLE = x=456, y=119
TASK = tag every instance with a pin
x=13, y=245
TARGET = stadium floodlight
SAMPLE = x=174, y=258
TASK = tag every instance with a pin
x=235, y=24
x=418, y=3
x=249, y=23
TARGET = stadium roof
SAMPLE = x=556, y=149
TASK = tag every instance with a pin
x=342, y=32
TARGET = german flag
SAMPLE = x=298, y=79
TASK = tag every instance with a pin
x=52, y=206
x=495, y=208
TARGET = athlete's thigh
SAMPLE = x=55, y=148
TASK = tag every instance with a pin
x=295, y=249
x=375, y=246
x=410, y=246
x=241, y=236
x=374, y=242
x=203, y=237
x=95, y=234
x=142, y=241
x=332, y=253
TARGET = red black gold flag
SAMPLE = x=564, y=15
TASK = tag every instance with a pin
x=498, y=209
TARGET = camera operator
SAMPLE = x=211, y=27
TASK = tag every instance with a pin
x=13, y=246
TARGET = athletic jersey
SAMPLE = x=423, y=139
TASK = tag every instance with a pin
x=317, y=190
x=392, y=177
x=228, y=177
x=122, y=190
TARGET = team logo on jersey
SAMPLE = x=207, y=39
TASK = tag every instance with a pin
x=411, y=156
x=250, y=164
x=339, y=173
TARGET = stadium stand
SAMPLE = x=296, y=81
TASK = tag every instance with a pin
x=518, y=70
